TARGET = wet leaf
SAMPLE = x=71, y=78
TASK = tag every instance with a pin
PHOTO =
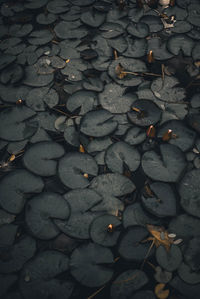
x=160, y=292
x=160, y=236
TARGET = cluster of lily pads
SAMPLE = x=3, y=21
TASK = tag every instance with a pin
x=99, y=149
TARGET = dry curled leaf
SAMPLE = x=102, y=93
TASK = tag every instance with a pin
x=159, y=236
x=160, y=292
x=119, y=70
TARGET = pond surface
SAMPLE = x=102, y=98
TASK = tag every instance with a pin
x=99, y=149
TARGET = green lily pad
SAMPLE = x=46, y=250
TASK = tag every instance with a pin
x=121, y=153
x=125, y=285
x=42, y=210
x=189, y=190
x=41, y=158
x=168, y=166
x=73, y=166
x=16, y=123
x=14, y=187
x=100, y=232
x=90, y=265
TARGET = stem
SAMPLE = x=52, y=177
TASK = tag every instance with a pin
x=141, y=74
x=148, y=252
x=97, y=292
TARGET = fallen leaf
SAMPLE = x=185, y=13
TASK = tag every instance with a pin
x=160, y=292
x=160, y=236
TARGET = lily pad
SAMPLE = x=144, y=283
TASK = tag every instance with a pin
x=191, y=254
x=149, y=113
x=112, y=184
x=98, y=123
x=90, y=265
x=73, y=166
x=168, y=166
x=40, y=37
x=167, y=90
x=159, y=49
x=144, y=295
x=34, y=79
x=185, y=226
x=194, y=14
x=184, y=288
x=82, y=99
x=11, y=94
x=40, y=212
x=135, y=136
x=16, y=124
x=120, y=154
x=125, y=285
x=114, y=99
x=38, y=98
x=187, y=275
x=65, y=30
x=5, y=60
x=154, y=23
x=136, y=48
x=84, y=208
x=57, y=7
x=189, y=190
x=18, y=255
x=111, y=30
x=135, y=215
x=7, y=234
x=41, y=158
x=131, y=247
x=104, y=230
x=185, y=137
x=92, y=18
x=180, y=42
x=139, y=30
x=38, y=280
x=129, y=65
x=14, y=187
x=169, y=260
x=163, y=201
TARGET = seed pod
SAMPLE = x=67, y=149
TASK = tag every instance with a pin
x=150, y=57
x=167, y=135
x=151, y=131
x=81, y=149
x=110, y=228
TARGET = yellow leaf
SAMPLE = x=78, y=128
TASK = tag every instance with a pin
x=160, y=292
x=160, y=235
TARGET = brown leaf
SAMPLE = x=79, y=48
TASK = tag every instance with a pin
x=119, y=70
x=160, y=236
x=160, y=292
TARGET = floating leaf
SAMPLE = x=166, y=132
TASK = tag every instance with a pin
x=160, y=292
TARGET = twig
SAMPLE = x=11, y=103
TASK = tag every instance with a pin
x=97, y=292
x=148, y=252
